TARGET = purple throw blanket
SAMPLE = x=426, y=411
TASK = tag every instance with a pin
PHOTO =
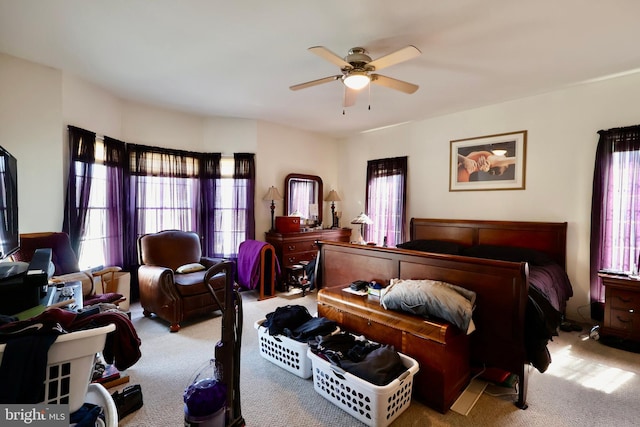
x=249, y=263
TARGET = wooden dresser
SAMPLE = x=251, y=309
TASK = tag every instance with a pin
x=441, y=349
x=291, y=248
x=621, y=307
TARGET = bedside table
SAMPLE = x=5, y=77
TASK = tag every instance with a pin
x=621, y=307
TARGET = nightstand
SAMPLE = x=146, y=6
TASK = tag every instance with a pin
x=622, y=307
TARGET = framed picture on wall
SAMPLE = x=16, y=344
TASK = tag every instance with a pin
x=492, y=162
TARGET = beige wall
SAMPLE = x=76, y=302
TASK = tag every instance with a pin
x=562, y=136
x=31, y=129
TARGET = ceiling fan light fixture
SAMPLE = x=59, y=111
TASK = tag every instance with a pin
x=356, y=80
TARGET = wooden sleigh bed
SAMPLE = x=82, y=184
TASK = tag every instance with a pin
x=503, y=338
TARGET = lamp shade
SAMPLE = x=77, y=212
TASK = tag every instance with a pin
x=332, y=197
x=273, y=194
x=362, y=219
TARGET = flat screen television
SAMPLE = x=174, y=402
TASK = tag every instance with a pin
x=9, y=235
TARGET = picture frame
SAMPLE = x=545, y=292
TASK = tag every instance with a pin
x=491, y=162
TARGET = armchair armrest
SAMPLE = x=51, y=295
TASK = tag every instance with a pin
x=157, y=277
x=107, y=270
x=209, y=262
x=114, y=280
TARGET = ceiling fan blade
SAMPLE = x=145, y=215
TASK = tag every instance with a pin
x=325, y=53
x=396, y=84
x=350, y=96
x=396, y=57
x=315, y=82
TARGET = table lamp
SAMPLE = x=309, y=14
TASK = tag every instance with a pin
x=362, y=219
x=333, y=197
x=273, y=194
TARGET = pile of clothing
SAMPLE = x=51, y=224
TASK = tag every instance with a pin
x=24, y=362
x=295, y=322
x=368, y=360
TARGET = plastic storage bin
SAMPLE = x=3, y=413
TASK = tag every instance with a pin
x=70, y=365
x=98, y=395
x=284, y=352
x=376, y=406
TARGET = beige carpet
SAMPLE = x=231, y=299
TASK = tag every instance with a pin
x=588, y=384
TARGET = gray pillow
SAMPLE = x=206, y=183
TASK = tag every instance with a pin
x=431, y=298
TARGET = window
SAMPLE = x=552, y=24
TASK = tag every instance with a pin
x=98, y=177
x=95, y=238
x=117, y=192
x=224, y=242
x=234, y=208
x=386, y=200
x=615, y=212
x=168, y=202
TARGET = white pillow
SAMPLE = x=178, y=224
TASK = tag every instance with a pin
x=190, y=268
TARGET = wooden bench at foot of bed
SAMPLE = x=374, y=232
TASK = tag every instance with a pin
x=441, y=350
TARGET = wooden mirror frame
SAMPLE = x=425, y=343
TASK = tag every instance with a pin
x=300, y=176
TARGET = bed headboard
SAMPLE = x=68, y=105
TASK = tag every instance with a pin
x=547, y=237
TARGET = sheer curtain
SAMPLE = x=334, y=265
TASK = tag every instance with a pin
x=615, y=209
x=301, y=196
x=164, y=191
x=386, y=200
x=115, y=159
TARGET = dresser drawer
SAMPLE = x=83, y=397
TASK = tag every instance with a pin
x=299, y=246
x=624, y=320
x=295, y=258
x=623, y=300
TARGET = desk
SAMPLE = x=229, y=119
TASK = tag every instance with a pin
x=621, y=307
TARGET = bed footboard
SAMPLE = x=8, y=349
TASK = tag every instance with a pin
x=501, y=294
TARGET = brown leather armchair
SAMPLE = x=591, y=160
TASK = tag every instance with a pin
x=166, y=291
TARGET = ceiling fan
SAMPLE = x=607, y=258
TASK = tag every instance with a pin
x=358, y=70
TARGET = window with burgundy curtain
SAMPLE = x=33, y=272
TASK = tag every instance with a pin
x=234, y=215
x=165, y=189
x=118, y=191
x=94, y=219
x=615, y=210
x=386, y=200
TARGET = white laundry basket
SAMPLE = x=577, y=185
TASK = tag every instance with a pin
x=70, y=365
x=376, y=406
x=283, y=351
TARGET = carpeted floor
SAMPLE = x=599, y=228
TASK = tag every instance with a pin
x=588, y=384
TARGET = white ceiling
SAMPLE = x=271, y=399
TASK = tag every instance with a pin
x=238, y=58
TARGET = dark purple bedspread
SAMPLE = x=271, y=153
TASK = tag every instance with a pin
x=552, y=281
